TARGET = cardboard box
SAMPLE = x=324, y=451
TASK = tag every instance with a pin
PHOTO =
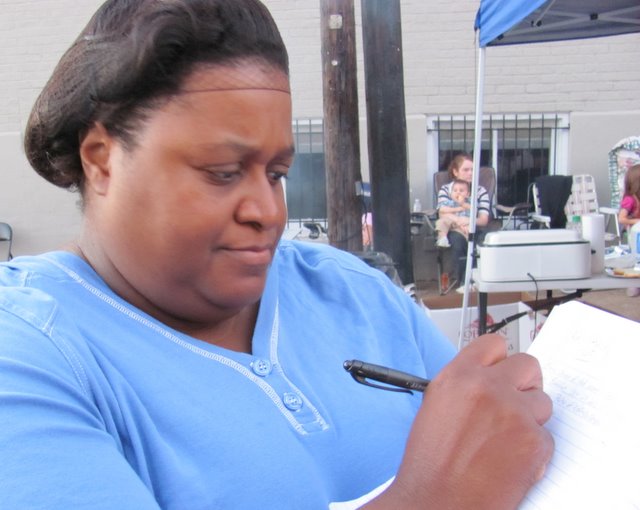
x=518, y=333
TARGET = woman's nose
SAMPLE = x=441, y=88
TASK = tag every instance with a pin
x=262, y=203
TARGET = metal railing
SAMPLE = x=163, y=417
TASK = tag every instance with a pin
x=520, y=147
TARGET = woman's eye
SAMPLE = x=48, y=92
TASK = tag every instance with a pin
x=278, y=172
x=222, y=177
x=277, y=176
x=224, y=174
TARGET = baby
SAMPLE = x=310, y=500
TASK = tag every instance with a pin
x=454, y=214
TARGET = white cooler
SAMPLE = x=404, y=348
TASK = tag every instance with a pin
x=523, y=255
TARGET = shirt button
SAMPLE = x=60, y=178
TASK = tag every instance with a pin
x=292, y=401
x=261, y=367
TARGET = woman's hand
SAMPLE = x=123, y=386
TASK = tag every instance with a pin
x=478, y=440
x=626, y=220
x=482, y=220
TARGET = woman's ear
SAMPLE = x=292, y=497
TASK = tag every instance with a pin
x=96, y=152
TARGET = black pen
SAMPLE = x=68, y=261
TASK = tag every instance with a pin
x=362, y=372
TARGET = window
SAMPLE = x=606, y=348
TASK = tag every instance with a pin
x=306, y=185
x=520, y=147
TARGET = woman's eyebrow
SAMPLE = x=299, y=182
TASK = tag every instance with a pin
x=242, y=147
x=289, y=152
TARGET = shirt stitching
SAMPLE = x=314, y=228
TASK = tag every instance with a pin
x=266, y=388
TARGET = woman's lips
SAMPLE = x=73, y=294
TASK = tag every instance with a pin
x=252, y=255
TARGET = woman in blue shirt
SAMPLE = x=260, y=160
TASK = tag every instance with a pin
x=178, y=354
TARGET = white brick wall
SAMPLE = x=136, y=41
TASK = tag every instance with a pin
x=438, y=50
x=594, y=77
x=439, y=54
x=33, y=36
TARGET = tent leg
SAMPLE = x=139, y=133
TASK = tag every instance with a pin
x=477, y=148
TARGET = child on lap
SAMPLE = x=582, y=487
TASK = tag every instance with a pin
x=454, y=214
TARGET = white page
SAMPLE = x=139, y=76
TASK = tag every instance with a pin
x=589, y=361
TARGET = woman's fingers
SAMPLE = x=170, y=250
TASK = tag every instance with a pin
x=479, y=432
x=520, y=371
x=485, y=350
x=539, y=404
x=524, y=370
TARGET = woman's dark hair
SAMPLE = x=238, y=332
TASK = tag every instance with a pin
x=132, y=55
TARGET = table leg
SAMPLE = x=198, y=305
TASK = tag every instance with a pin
x=483, y=298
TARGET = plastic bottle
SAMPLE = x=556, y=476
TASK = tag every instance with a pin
x=417, y=206
x=636, y=232
x=576, y=224
x=634, y=239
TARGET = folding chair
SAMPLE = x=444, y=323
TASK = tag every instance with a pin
x=572, y=196
x=550, y=194
x=486, y=179
x=584, y=200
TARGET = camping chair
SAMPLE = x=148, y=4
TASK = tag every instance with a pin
x=550, y=194
x=558, y=198
x=486, y=179
x=6, y=235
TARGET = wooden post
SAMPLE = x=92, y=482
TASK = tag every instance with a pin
x=387, y=132
x=341, y=132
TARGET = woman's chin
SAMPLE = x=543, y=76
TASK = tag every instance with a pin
x=244, y=293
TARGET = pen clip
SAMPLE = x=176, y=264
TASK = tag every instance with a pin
x=363, y=380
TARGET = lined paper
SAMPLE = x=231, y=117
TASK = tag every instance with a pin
x=589, y=361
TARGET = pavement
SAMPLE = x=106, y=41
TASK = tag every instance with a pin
x=615, y=301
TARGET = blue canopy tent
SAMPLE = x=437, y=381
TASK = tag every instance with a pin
x=502, y=22
x=505, y=22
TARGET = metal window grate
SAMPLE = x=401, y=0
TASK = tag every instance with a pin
x=306, y=185
x=520, y=147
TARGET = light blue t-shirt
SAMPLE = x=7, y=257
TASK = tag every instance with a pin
x=104, y=407
x=453, y=203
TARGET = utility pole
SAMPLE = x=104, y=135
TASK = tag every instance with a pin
x=387, y=132
x=341, y=131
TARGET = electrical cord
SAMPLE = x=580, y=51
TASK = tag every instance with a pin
x=537, y=305
x=535, y=311
x=499, y=325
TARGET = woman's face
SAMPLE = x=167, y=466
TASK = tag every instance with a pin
x=188, y=221
x=464, y=171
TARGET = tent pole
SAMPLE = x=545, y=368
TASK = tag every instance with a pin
x=477, y=147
